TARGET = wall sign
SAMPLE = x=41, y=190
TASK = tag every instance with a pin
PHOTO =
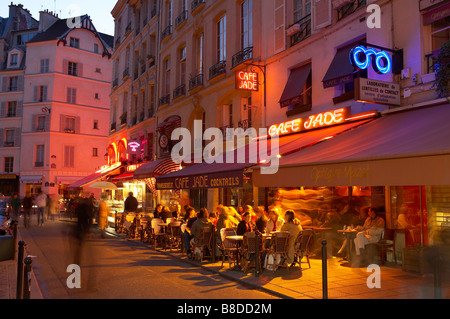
x=361, y=57
x=133, y=146
x=319, y=120
x=377, y=92
x=247, y=81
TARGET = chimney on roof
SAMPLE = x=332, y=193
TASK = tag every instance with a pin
x=46, y=20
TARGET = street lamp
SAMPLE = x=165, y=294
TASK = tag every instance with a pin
x=45, y=109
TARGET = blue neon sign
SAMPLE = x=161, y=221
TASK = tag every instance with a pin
x=360, y=58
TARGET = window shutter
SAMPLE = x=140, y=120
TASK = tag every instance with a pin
x=69, y=95
x=66, y=66
x=77, y=125
x=19, y=108
x=3, y=109
x=45, y=91
x=17, y=137
x=36, y=94
x=62, y=122
x=322, y=14
x=20, y=83
x=2, y=137
x=74, y=96
x=280, y=36
x=80, y=69
x=47, y=122
x=5, y=84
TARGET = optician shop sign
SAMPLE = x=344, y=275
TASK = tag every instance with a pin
x=361, y=57
x=247, y=81
x=319, y=120
x=378, y=92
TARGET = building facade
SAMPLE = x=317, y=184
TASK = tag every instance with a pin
x=61, y=98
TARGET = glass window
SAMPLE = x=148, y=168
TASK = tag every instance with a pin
x=45, y=65
x=222, y=39
x=69, y=152
x=12, y=108
x=73, y=68
x=9, y=164
x=246, y=24
x=75, y=43
x=440, y=33
x=302, y=8
x=39, y=155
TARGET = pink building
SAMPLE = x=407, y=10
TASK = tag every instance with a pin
x=65, y=124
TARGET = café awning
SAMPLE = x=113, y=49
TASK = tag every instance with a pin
x=85, y=181
x=31, y=179
x=226, y=174
x=156, y=168
x=411, y=147
x=340, y=70
x=293, y=91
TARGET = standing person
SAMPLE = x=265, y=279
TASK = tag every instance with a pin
x=131, y=203
x=41, y=203
x=15, y=206
x=27, y=206
x=102, y=214
x=292, y=225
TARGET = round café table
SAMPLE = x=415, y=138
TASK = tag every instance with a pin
x=350, y=235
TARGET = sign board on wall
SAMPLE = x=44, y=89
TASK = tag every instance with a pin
x=377, y=92
x=247, y=81
x=425, y=4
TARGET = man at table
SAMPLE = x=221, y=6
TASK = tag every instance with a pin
x=197, y=227
x=370, y=232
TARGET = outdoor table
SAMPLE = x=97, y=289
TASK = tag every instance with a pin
x=236, y=239
x=350, y=235
x=163, y=225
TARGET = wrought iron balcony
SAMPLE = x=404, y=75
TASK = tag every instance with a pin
x=217, y=69
x=115, y=83
x=123, y=118
x=181, y=18
x=166, y=32
x=304, y=30
x=126, y=73
x=113, y=126
x=197, y=4
x=179, y=91
x=349, y=8
x=164, y=100
x=195, y=81
x=242, y=56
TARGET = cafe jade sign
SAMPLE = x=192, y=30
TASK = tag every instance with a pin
x=247, y=81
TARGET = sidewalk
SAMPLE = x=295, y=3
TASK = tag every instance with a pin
x=343, y=282
x=8, y=278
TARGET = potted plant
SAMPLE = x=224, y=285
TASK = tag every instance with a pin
x=442, y=82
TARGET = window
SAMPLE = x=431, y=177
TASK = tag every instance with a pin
x=221, y=39
x=302, y=8
x=72, y=95
x=45, y=65
x=167, y=76
x=9, y=137
x=40, y=123
x=182, y=66
x=199, y=49
x=69, y=152
x=95, y=125
x=440, y=33
x=73, y=68
x=39, y=155
x=69, y=124
x=14, y=59
x=41, y=93
x=12, y=109
x=96, y=96
x=95, y=152
x=246, y=24
x=13, y=83
x=75, y=43
x=95, y=48
x=9, y=165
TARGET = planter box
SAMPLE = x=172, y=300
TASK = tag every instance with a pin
x=414, y=260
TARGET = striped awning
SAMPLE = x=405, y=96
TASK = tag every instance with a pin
x=149, y=171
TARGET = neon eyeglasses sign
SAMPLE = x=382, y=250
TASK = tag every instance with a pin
x=134, y=146
x=360, y=58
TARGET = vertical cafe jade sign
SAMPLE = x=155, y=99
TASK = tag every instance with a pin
x=247, y=81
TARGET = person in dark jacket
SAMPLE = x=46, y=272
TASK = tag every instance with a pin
x=27, y=206
x=131, y=203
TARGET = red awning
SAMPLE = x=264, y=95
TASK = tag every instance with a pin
x=94, y=177
x=156, y=168
x=122, y=177
x=401, y=148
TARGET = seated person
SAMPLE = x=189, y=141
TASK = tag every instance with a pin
x=275, y=222
x=370, y=232
x=292, y=225
x=245, y=225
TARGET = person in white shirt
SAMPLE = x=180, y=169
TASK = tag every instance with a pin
x=275, y=222
x=41, y=203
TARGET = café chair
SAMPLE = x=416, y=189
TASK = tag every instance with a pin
x=248, y=251
x=303, y=246
x=158, y=236
x=278, y=250
x=173, y=235
x=227, y=247
x=382, y=247
x=204, y=245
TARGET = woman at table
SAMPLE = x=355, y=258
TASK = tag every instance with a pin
x=275, y=222
x=245, y=225
x=292, y=225
x=370, y=232
x=261, y=219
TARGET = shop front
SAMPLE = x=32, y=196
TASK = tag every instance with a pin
x=398, y=163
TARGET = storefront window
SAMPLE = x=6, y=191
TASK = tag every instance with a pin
x=408, y=212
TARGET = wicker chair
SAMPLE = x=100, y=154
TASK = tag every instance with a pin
x=227, y=247
x=302, y=246
x=248, y=252
x=205, y=242
x=279, y=247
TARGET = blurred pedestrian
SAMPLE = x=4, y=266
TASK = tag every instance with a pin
x=131, y=203
x=102, y=214
x=41, y=203
x=27, y=206
x=15, y=206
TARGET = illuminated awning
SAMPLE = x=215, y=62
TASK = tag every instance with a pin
x=85, y=181
x=340, y=70
x=31, y=179
x=122, y=177
x=156, y=168
x=223, y=175
x=398, y=149
x=294, y=88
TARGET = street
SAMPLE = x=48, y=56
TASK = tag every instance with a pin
x=115, y=268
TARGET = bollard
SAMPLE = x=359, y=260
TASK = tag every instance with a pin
x=19, y=270
x=324, y=270
x=213, y=245
x=257, y=261
x=27, y=278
